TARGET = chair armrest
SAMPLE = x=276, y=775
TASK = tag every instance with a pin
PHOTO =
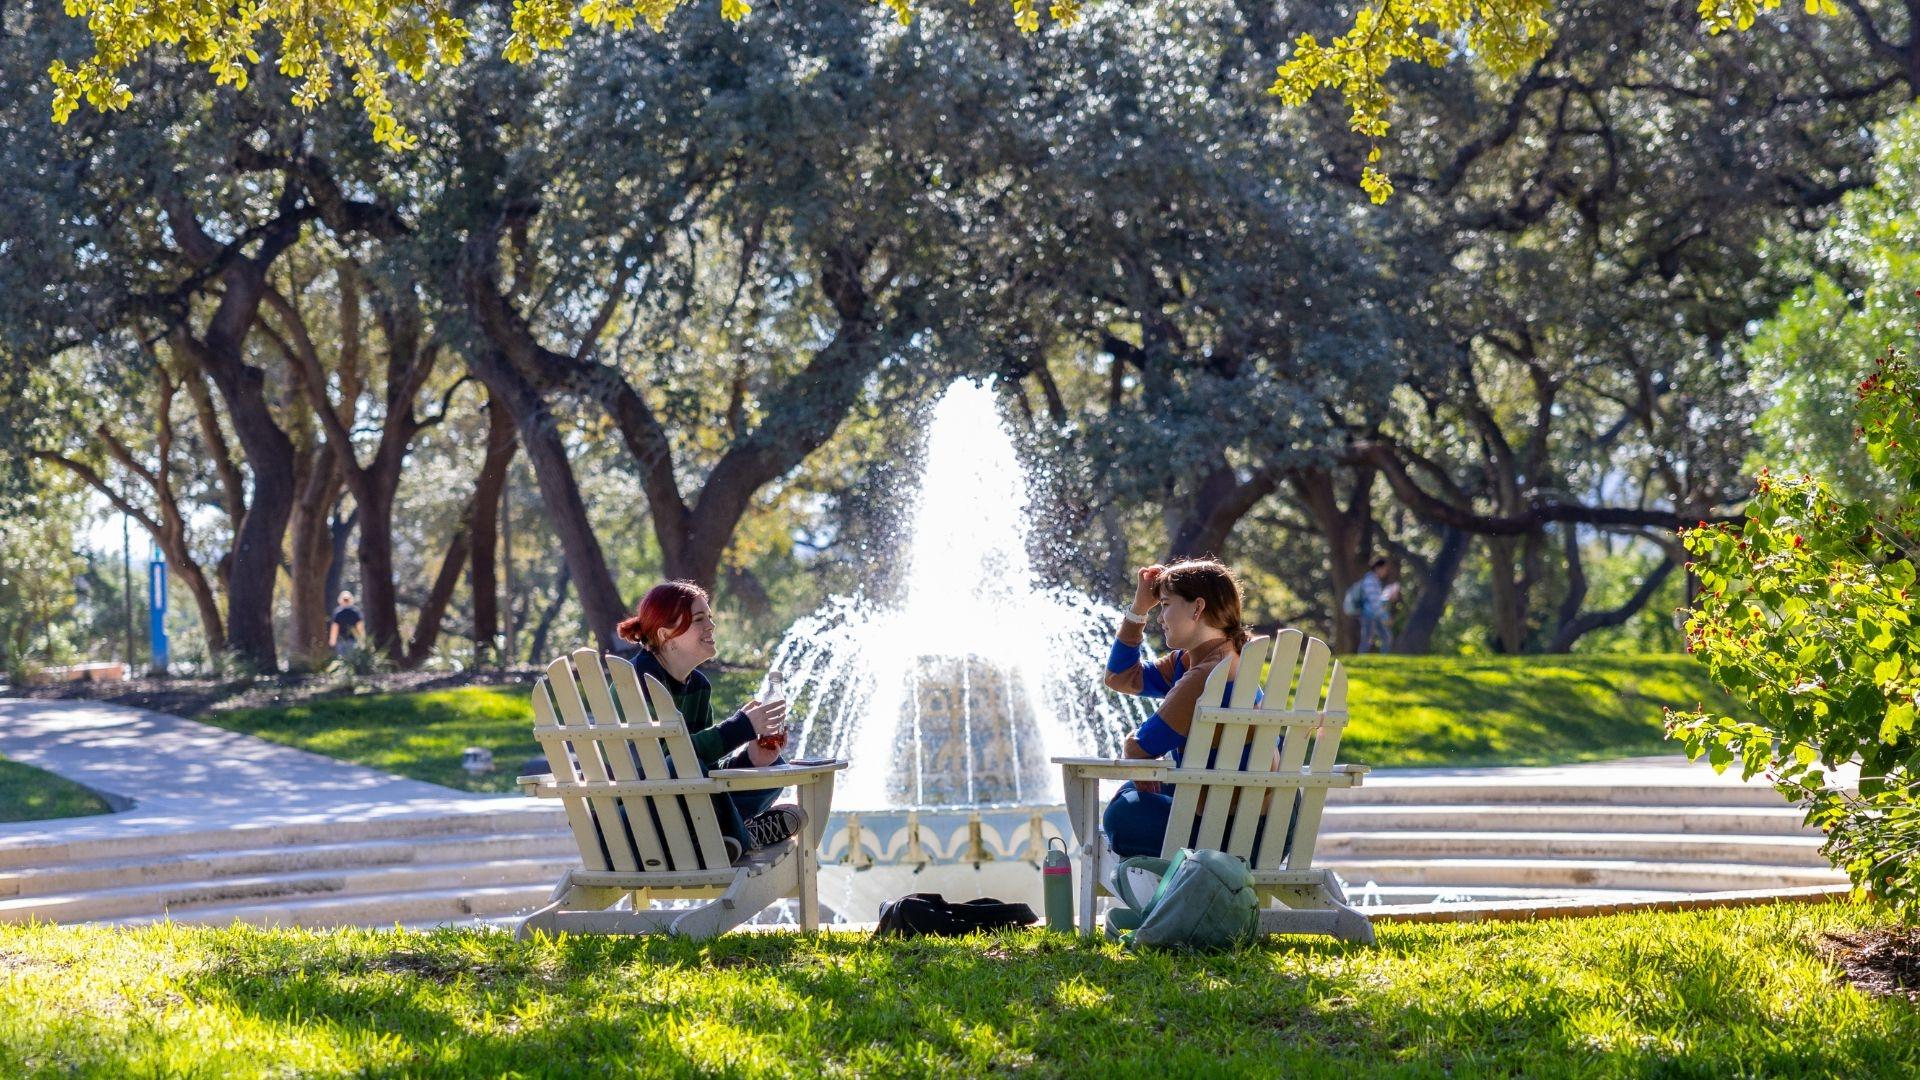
x=1116, y=768
x=531, y=783
x=1356, y=774
x=773, y=776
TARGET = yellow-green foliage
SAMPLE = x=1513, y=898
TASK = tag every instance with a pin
x=363, y=37
x=1719, y=993
x=1505, y=35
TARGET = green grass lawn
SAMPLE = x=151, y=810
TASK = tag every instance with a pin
x=423, y=735
x=1528, y=710
x=30, y=794
x=1708, y=994
x=1409, y=710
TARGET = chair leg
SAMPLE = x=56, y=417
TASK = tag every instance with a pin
x=1320, y=908
x=541, y=920
x=1092, y=850
x=751, y=893
x=567, y=904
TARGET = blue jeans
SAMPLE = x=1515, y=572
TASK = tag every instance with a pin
x=1136, y=821
x=1374, y=635
x=735, y=807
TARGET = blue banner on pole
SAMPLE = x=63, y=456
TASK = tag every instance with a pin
x=157, y=611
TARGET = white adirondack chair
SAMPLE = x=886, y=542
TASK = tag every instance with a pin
x=610, y=755
x=1305, y=726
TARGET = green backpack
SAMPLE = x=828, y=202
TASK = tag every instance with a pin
x=1205, y=900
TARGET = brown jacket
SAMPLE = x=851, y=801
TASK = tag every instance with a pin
x=1195, y=665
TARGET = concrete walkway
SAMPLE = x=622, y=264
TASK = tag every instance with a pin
x=179, y=776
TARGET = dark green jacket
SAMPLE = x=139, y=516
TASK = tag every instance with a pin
x=694, y=699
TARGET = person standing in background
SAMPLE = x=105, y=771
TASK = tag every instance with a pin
x=343, y=631
x=1375, y=595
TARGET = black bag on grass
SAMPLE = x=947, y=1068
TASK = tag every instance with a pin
x=930, y=913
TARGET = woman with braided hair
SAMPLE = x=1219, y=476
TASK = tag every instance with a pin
x=1199, y=603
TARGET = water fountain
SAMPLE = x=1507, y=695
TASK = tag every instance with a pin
x=951, y=701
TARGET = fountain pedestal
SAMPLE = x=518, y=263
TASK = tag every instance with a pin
x=972, y=739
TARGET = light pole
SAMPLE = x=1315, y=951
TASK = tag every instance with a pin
x=157, y=611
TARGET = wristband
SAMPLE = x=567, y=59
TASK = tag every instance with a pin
x=1129, y=616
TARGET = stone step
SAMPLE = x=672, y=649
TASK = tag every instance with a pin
x=1375, y=896
x=418, y=909
x=1781, y=820
x=1644, y=847
x=1472, y=875
x=512, y=815
x=157, y=900
x=1574, y=791
x=256, y=862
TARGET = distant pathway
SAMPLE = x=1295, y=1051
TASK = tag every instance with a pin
x=179, y=776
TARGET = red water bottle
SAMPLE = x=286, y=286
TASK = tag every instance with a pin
x=776, y=691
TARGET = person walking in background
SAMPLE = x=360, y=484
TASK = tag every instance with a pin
x=343, y=631
x=1370, y=598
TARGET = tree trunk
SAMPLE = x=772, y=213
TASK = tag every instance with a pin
x=1213, y=508
x=426, y=631
x=537, y=652
x=1436, y=588
x=559, y=493
x=1575, y=624
x=1348, y=532
x=310, y=557
x=1509, y=604
x=222, y=355
x=482, y=578
x=341, y=530
x=255, y=568
x=378, y=601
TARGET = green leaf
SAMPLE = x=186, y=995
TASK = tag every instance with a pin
x=1898, y=721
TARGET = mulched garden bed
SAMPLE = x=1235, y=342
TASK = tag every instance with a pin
x=1884, y=963
x=191, y=698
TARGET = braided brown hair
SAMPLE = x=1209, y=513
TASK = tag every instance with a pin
x=1211, y=581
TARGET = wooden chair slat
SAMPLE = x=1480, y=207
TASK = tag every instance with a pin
x=606, y=808
x=1293, y=752
x=622, y=765
x=653, y=763
x=586, y=833
x=1200, y=737
x=1284, y=663
x=1246, y=682
x=700, y=815
x=1325, y=745
x=1313, y=676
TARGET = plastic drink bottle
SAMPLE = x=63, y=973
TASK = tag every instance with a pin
x=1056, y=886
x=776, y=691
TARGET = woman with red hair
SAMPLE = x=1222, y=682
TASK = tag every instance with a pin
x=669, y=637
x=673, y=634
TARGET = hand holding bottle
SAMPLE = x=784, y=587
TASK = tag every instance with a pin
x=773, y=734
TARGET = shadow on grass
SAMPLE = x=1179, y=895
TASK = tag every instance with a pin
x=1623, y=999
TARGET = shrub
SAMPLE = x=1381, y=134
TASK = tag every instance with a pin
x=1803, y=614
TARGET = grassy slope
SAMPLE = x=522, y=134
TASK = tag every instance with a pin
x=1531, y=710
x=30, y=794
x=1710, y=994
x=1406, y=711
